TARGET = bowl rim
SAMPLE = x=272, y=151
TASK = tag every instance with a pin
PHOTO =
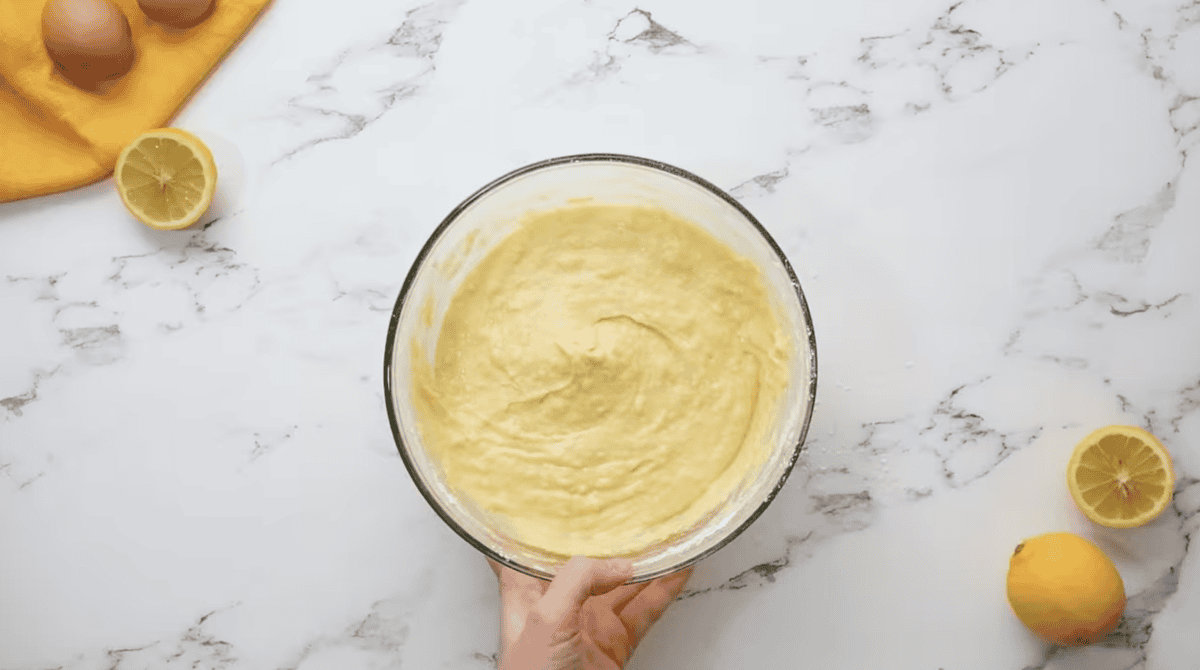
x=418, y=262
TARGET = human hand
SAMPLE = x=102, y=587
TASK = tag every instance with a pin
x=584, y=619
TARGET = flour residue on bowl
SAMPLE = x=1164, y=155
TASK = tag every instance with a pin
x=604, y=379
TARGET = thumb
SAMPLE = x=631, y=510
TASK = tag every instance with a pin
x=579, y=579
x=551, y=636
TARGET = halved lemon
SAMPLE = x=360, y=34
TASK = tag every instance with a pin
x=1121, y=476
x=166, y=178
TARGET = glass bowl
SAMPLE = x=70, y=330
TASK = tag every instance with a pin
x=484, y=219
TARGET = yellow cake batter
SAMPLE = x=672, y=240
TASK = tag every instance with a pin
x=604, y=378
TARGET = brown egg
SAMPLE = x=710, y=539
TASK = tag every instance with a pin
x=89, y=40
x=177, y=13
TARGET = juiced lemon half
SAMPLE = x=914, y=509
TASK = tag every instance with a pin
x=1121, y=476
x=166, y=178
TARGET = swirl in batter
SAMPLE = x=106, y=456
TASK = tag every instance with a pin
x=604, y=379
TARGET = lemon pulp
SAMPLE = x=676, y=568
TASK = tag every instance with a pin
x=1120, y=476
x=166, y=178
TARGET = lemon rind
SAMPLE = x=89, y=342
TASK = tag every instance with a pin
x=206, y=159
x=1076, y=491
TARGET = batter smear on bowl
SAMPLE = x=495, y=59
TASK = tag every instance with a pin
x=605, y=378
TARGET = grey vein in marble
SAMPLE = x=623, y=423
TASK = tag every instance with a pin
x=94, y=332
x=764, y=182
x=826, y=515
x=1091, y=289
x=488, y=660
x=1128, y=239
x=264, y=444
x=1142, y=308
x=215, y=279
x=636, y=32
x=758, y=575
x=639, y=27
x=14, y=404
x=1189, y=401
x=195, y=648
x=46, y=286
x=343, y=101
x=964, y=61
x=379, y=637
x=964, y=435
x=1125, y=647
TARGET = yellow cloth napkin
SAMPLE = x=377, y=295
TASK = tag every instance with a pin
x=55, y=136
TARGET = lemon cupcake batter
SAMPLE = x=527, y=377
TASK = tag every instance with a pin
x=603, y=379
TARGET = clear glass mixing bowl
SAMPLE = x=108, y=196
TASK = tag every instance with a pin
x=484, y=219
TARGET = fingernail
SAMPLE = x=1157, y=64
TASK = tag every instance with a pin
x=620, y=564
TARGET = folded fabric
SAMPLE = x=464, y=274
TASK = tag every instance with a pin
x=55, y=136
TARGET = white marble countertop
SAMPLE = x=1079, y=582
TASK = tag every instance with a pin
x=989, y=204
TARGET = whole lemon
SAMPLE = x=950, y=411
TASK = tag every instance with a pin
x=1065, y=589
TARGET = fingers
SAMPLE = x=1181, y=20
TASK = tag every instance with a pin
x=519, y=594
x=511, y=580
x=579, y=579
x=607, y=632
x=619, y=597
x=496, y=567
x=646, y=608
x=550, y=637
